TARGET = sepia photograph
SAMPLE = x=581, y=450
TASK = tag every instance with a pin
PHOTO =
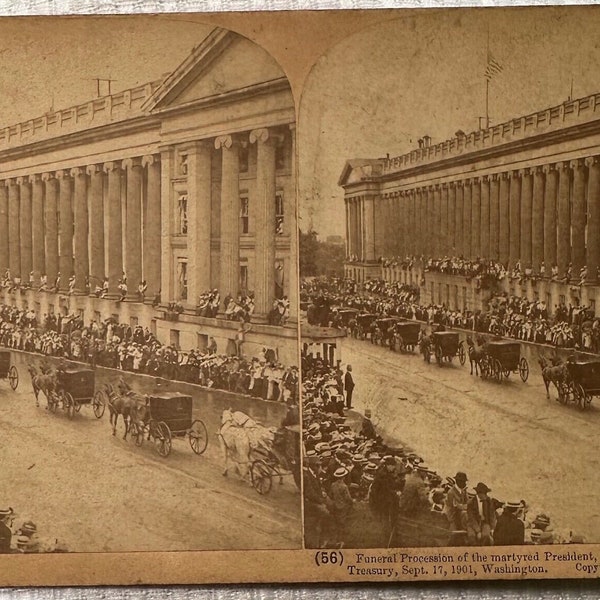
x=449, y=214
x=148, y=301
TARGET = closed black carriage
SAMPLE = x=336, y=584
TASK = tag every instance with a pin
x=447, y=345
x=581, y=384
x=503, y=357
x=386, y=328
x=364, y=321
x=8, y=370
x=75, y=388
x=170, y=416
x=406, y=336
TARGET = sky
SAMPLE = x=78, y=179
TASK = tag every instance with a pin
x=53, y=61
x=381, y=89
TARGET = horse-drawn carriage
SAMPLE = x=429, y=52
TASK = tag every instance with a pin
x=581, y=383
x=406, y=336
x=384, y=332
x=8, y=371
x=364, y=324
x=165, y=416
x=282, y=459
x=446, y=345
x=74, y=389
x=501, y=358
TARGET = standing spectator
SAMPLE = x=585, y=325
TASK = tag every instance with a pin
x=510, y=530
x=456, y=503
x=481, y=517
x=349, y=386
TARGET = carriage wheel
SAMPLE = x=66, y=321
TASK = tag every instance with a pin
x=523, y=369
x=498, y=370
x=99, y=404
x=77, y=406
x=13, y=377
x=462, y=357
x=198, y=437
x=53, y=401
x=580, y=397
x=506, y=373
x=162, y=439
x=136, y=433
x=484, y=368
x=69, y=404
x=261, y=476
x=439, y=357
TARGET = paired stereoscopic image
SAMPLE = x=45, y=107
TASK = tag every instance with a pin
x=449, y=251
x=148, y=304
x=237, y=313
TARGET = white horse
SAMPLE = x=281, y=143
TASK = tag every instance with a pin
x=239, y=437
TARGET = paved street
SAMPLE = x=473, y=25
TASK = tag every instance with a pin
x=507, y=435
x=96, y=492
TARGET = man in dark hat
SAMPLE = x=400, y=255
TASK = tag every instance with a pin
x=349, y=386
x=510, y=530
x=481, y=517
x=315, y=507
x=455, y=506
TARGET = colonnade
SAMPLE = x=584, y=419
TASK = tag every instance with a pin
x=548, y=213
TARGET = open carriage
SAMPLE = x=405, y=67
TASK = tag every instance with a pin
x=503, y=357
x=446, y=345
x=283, y=459
x=581, y=384
x=7, y=370
x=169, y=416
x=75, y=388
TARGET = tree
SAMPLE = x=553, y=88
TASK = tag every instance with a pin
x=318, y=257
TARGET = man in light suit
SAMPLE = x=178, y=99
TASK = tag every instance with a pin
x=455, y=507
x=481, y=517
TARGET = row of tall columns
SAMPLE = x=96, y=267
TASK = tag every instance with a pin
x=55, y=223
x=547, y=214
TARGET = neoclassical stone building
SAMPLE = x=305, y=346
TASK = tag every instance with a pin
x=526, y=190
x=187, y=183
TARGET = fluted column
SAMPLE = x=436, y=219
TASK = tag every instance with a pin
x=292, y=230
x=25, y=227
x=429, y=242
x=578, y=216
x=348, y=226
x=467, y=210
x=14, y=239
x=494, y=217
x=451, y=218
x=230, y=200
x=458, y=219
x=4, y=252
x=80, y=214
x=199, y=218
x=444, y=219
x=37, y=227
x=97, y=267
x=51, y=226
x=563, y=240
x=537, y=220
x=504, y=218
x=65, y=229
x=438, y=232
x=411, y=222
x=514, y=249
x=476, y=218
x=133, y=224
x=114, y=232
x=550, y=212
x=421, y=225
x=526, y=217
x=484, y=238
x=593, y=226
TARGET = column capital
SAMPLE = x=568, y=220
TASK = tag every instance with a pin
x=265, y=135
x=563, y=165
x=113, y=165
x=94, y=169
x=549, y=168
x=505, y=175
x=35, y=178
x=592, y=161
x=132, y=163
x=523, y=171
x=150, y=159
x=63, y=174
x=223, y=141
x=22, y=179
x=78, y=172
x=578, y=163
x=48, y=176
x=537, y=170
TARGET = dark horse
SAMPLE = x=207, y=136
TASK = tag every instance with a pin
x=128, y=405
x=42, y=382
x=555, y=374
x=477, y=353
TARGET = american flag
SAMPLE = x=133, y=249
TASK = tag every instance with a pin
x=493, y=67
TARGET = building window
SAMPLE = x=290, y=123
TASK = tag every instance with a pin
x=153, y=327
x=183, y=164
x=182, y=214
x=174, y=338
x=243, y=278
x=133, y=322
x=243, y=159
x=279, y=279
x=280, y=157
x=279, y=216
x=593, y=305
x=245, y=214
x=182, y=279
x=202, y=343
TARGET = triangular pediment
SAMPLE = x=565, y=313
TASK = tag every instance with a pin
x=224, y=62
x=359, y=169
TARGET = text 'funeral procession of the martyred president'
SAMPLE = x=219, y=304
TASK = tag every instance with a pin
x=466, y=564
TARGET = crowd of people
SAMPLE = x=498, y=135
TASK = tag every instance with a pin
x=111, y=344
x=21, y=536
x=349, y=470
x=567, y=326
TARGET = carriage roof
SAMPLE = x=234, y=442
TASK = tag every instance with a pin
x=172, y=408
x=586, y=373
x=78, y=382
x=503, y=346
x=438, y=335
